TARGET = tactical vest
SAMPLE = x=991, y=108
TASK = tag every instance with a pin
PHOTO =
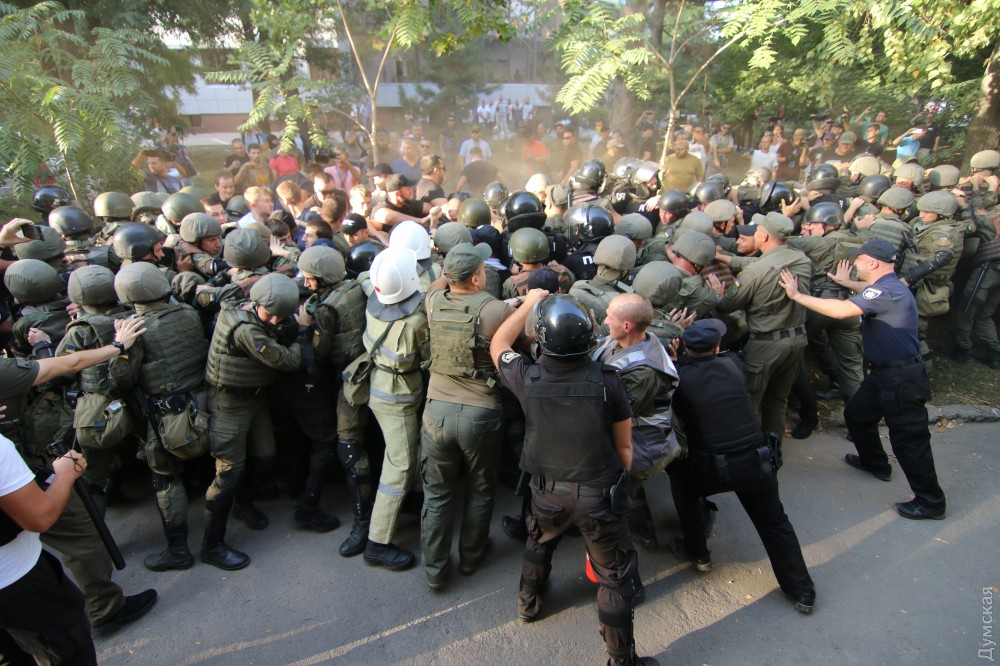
x=228, y=366
x=889, y=228
x=665, y=330
x=567, y=434
x=453, y=336
x=652, y=250
x=174, y=349
x=51, y=318
x=492, y=282
x=348, y=300
x=943, y=234
x=95, y=378
x=597, y=295
x=845, y=243
x=653, y=439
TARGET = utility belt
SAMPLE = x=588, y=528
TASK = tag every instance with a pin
x=393, y=371
x=569, y=488
x=243, y=391
x=175, y=403
x=736, y=469
x=781, y=334
x=889, y=365
x=829, y=292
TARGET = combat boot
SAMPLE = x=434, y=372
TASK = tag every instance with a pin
x=177, y=555
x=255, y=476
x=352, y=455
x=214, y=550
x=309, y=516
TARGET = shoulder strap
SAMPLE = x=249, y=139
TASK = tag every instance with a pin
x=381, y=339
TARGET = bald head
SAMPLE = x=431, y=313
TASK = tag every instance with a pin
x=634, y=308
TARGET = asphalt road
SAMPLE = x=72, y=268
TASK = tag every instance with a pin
x=890, y=591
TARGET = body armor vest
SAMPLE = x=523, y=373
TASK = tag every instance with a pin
x=174, y=346
x=596, y=294
x=229, y=366
x=567, y=436
x=51, y=318
x=95, y=379
x=653, y=438
x=665, y=330
x=492, y=282
x=929, y=239
x=453, y=336
x=891, y=229
x=348, y=300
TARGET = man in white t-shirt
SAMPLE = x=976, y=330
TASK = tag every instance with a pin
x=763, y=157
x=40, y=606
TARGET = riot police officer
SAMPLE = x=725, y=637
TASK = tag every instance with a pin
x=576, y=458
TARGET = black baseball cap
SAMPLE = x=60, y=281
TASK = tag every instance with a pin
x=396, y=182
x=876, y=249
x=380, y=169
x=704, y=335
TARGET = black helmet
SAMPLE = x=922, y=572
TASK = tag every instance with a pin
x=564, y=327
x=522, y=209
x=489, y=235
x=590, y=176
x=135, y=241
x=360, y=258
x=708, y=191
x=773, y=194
x=590, y=222
x=49, y=197
x=180, y=205
x=474, y=212
x=874, y=186
x=494, y=194
x=674, y=201
x=70, y=220
x=721, y=178
x=624, y=167
x=825, y=177
x=825, y=212
x=236, y=208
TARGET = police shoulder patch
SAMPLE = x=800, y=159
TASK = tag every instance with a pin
x=871, y=293
x=509, y=356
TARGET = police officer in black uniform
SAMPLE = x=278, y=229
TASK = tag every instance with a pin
x=897, y=385
x=730, y=454
x=578, y=441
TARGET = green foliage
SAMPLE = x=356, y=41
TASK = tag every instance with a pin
x=71, y=98
x=272, y=63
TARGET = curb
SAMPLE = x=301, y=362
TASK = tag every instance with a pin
x=943, y=414
x=963, y=413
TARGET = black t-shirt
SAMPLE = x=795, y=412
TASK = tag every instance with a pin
x=428, y=190
x=820, y=155
x=931, y=134
x=478, y=175
x=411, y=208
x=573, y=154
x=234, y=158
x=647, y=145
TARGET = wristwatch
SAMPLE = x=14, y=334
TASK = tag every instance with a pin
x=120, y=346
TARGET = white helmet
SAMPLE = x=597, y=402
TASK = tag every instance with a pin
x=537, y=183
x=410, y=234
x=394, y=274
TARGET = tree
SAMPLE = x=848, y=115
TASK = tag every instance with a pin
x=271, y=64
x=816, y=52
x=71, y=97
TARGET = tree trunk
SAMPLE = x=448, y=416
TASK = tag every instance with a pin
x=622, y=114
x=656, y=17
x=984, y=130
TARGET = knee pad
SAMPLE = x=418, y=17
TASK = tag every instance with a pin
x=349, y=452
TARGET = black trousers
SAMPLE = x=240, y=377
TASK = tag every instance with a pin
x=44, y=613
x=760, y=500
x=899, y=395
x=612, y=556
